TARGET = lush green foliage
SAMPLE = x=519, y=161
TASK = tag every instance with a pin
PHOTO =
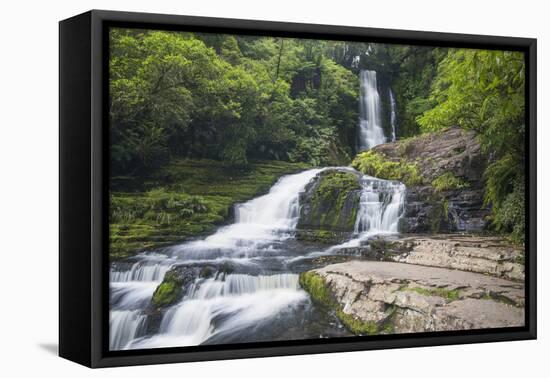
x=227, y=98
x=485, y=91
x=187, y=198
x=375, y=164
x=448, y=181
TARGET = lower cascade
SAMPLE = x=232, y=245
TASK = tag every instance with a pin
x=380, y=206
x=252, y=290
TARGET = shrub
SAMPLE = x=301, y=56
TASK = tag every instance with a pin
x=448, y=181
x=377, y=165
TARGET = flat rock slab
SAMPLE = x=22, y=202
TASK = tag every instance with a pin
x=403, y=298
x=478, y=254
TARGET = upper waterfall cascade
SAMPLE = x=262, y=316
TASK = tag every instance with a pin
x=371, y=132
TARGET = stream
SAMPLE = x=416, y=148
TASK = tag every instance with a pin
x=260, y=298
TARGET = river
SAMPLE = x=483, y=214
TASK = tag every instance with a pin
x=259, y=298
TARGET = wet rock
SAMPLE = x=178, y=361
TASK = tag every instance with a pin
x=173, y=286
x=329, y=206
x=178, y=279
x=400, y=298
x=322, y=236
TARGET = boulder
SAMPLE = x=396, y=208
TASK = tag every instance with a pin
x=329, y=206
x=173, y=286
x=385, y=297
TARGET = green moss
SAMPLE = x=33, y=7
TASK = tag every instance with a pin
x=445, y=208
x=333, y=203
x=377, y=165
x=358, y=326
x=448, y=181
x=187, y=199
x=320, y=236
x=336, y=181
x=316, y=286
x=438, y=212
x=169, y=290
x=450, y=295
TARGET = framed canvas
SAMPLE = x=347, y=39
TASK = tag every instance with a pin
x=234, y=188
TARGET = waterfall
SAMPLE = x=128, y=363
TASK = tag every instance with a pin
x=393, y=120
x=227, y=302
x=258, y=297
x=380, y=206
x=258, y=223
x=279, y=208
x=225, y=305
x=141, y=271
x=124, y=326
x=370, y=120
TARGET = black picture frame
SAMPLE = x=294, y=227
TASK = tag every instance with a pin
x=83, y=195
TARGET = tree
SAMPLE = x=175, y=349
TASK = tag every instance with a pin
x=484, y=91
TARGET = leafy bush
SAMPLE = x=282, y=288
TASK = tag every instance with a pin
x=448, y=181
x=377, y=165
x=510, y=215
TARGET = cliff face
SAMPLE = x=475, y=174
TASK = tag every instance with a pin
x=449, y=195
x=443, y=173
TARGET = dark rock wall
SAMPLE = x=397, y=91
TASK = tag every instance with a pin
x=453, y=151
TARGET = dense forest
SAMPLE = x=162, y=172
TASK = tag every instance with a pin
x=240, y=100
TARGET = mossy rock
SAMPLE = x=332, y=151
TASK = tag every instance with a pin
x=176, y=282
x=322, y=236
x=330, y=203
x=317, y=288
x=448, y=295
x=169, y=291
x=320, y=293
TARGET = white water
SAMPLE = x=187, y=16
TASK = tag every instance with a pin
x=147, y=270
x=124, y=327
x=380, y=206
x=259, y=223
x=227, y=304
x=393, y=117
x=370, y=120
x=241, y=299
